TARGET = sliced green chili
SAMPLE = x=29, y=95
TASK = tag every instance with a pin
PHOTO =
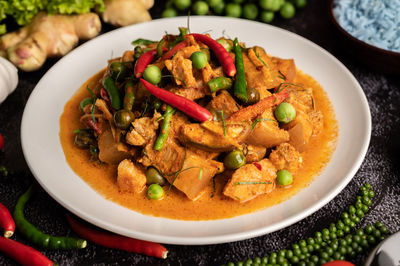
x=113, y=92
x=129, y=98
x=220, y=83
x=165, y=126
x=239, y=88
x=37, y=237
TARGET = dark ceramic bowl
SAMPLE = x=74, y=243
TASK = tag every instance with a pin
x=379, y=59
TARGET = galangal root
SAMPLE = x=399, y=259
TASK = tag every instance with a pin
x=47, y=36
x=126, y=12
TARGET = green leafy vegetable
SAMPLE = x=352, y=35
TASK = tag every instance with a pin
x=252, y=183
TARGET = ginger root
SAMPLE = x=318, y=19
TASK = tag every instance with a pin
x=126, y=12
x=47, y=36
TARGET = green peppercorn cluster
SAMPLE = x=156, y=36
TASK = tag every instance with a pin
x=339, y=241
x=263, y=10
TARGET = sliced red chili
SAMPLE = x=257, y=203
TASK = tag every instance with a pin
x=104, y=96
x=187, y=106
x=144, y=60
x=23, y=254
x=93, y=125
x=1, y=141
x=223, y=56
x=174, y=49
x=6, y=221
x=116, y=241
x=259, y=167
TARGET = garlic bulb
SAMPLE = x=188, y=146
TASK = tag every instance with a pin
x=8, y=78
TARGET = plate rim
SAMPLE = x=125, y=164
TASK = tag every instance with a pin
x=181, y=240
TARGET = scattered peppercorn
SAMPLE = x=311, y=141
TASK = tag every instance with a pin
x=333, y=243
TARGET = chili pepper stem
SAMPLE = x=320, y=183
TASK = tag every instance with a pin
x=6, y=221
x=8, y=233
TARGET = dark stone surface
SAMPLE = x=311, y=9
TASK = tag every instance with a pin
x=380, y=167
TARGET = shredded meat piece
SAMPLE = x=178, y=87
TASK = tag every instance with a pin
x=131, y=177
x=286, y=157
x=243, y=184
x=144, y=130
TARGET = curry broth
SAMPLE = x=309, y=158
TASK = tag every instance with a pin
x=176, y=205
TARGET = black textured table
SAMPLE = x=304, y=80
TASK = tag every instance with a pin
x=381, y=167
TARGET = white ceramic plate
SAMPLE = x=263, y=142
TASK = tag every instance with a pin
x=44, y=155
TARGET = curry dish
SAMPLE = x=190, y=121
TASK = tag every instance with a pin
x=194, y=128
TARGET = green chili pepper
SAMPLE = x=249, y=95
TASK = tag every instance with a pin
x=182, y=32
x=220, y=83
x=113, y=92
x=165, y=126
x=138, y=52
x=141, y=41
x=37, y=237
x=240, y=90
x=160, y=46
x=129, y=98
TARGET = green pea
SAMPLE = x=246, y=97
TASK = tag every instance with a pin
x=300, y=3
x=270, y=5
x=85, y=102
x=250, y=11
x=225, y=44
x=213, y=3
x=152, y=74
x=234, y=160
x=238, y=1
x=288, y=10
x=200, y=8
x=155, y=192
x=182, y=4
x=253, y=96
x=157, y=104
x=123, y=119
x=285, y=112
x=199, y=59
x=267, y=16
x=219, y=8
x=233, y=10
x=153, y=176
x=284, y=177
x=294, y=260
x=84, y=139
x=169, y=13
x=117, y=70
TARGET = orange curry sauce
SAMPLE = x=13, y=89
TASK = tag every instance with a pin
x=103, y=177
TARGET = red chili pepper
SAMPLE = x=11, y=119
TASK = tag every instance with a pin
x=174, y=49
x=118, y=242
x=259, y=167
x=187, y=106
x=1, y=141
x=223, y=56
x=91, y=124
x=144, y=60
x=252, y=111
x=23, y=254
x=6, y=221
x=104, y=96
x=338, y=263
